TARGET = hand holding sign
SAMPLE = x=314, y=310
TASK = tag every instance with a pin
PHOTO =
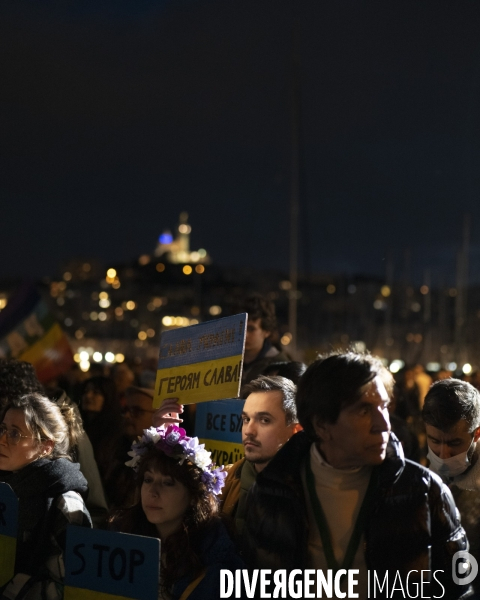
x=169, y=412
x=201, y=362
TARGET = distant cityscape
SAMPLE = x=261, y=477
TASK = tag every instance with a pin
x=114, y=312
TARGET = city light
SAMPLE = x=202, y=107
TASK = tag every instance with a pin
x=102, y=316
x=396, y=365
x=84, y=356
x=160, y=267
x=433, y=367
x=67, y=276
x=110, y=357
x=111, y=273
x=200, y=269
x=104, y=303
x=166, y=238
x=130, y=305
x=119, y=358
x=142, y=335
x=97, y=357
x=187, y=269
x=286, y=339
x=467, y=368
x=215, y=310
x=452, y=366
x=331, y=289
x=168, y=321
x=84, y=365
x=385, y=291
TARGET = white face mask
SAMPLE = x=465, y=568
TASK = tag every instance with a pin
x=449, y=467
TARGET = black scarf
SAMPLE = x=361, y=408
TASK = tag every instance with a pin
x=37, y=486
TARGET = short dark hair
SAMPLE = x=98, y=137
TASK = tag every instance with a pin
x=333, y=382
x=259, y=307
x=276, y=384
x=17, y=378
x=292, y=370
x=450, y=400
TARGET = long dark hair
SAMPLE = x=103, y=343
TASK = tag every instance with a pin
x=181, y=550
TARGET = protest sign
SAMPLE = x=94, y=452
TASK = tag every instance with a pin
x=218, y=425
x=29, y=332
x=202, y=362
x=106, y=565
x=8, y=532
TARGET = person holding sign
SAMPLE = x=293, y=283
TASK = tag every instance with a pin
x=177, y=486
x=36, y=437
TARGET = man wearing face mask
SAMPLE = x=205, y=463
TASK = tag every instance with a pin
x=451, y=414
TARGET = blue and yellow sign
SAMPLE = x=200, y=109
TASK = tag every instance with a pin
x=106, y=565
x=29, y=332
x=218, y=425
x=8, y=532
x=202, y=362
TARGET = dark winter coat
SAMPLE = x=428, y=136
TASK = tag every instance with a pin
x=217, y=552
x=50, y=494
x=413, y=523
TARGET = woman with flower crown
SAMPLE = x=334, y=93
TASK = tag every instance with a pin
x=177, y=485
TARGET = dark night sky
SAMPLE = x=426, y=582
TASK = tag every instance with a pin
x=115, y=116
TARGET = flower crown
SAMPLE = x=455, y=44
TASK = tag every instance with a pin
x=174, y=442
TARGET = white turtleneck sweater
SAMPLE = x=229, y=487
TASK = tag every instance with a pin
x=341, y=493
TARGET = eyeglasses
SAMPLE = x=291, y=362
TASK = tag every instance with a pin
x=135, y=411
x=13, y=435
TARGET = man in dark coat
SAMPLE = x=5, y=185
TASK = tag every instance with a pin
x=341, y=496
x=451, y=414
x=260, y=352
x=269, y=419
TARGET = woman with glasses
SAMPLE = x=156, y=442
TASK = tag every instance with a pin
x=36, y=437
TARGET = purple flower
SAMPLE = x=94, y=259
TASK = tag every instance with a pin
x=174, y=435
x=214, y=479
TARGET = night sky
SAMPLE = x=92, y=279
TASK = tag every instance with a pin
x=116, y=116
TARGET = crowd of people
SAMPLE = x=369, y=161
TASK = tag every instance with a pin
x=344, y=467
